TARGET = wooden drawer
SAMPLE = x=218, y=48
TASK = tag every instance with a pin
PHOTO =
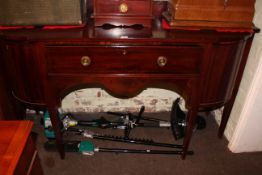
x=172, y=59
x=123, y=12
x=120, y=7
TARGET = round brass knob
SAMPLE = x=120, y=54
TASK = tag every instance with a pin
x=124, y=52
x=123, y=7
x=161, y=61
x=85, y=61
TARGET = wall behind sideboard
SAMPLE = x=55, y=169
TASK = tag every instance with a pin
x=244, y=126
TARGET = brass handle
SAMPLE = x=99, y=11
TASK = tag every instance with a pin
x=161, y=61
x=123, y=7
x=225, y=3
x=85, y=61
x=124, y=52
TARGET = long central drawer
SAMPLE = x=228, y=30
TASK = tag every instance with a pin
x=139, y=59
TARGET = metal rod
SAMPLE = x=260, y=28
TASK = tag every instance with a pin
x=136, y=141
x=142, y=117
x=147, y=151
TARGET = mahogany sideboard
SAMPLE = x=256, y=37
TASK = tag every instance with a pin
x=203, y=65
x=18, y=154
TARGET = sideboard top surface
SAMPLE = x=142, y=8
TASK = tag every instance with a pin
x=157, y=33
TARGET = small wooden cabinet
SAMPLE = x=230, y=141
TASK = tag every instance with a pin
x=223, y=13
x=18, y=155
x=123, y=12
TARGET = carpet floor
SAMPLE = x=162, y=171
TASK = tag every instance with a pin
x=211, y=157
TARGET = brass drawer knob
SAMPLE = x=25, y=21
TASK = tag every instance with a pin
x=85, y=60
x=161, y=61
x=123, y=7
x=124, y=52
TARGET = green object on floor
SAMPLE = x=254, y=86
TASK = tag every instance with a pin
x=49, y=131
x=86, y=148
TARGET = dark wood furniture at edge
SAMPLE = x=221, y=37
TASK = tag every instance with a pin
x=203, y=65
x=18, y=154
